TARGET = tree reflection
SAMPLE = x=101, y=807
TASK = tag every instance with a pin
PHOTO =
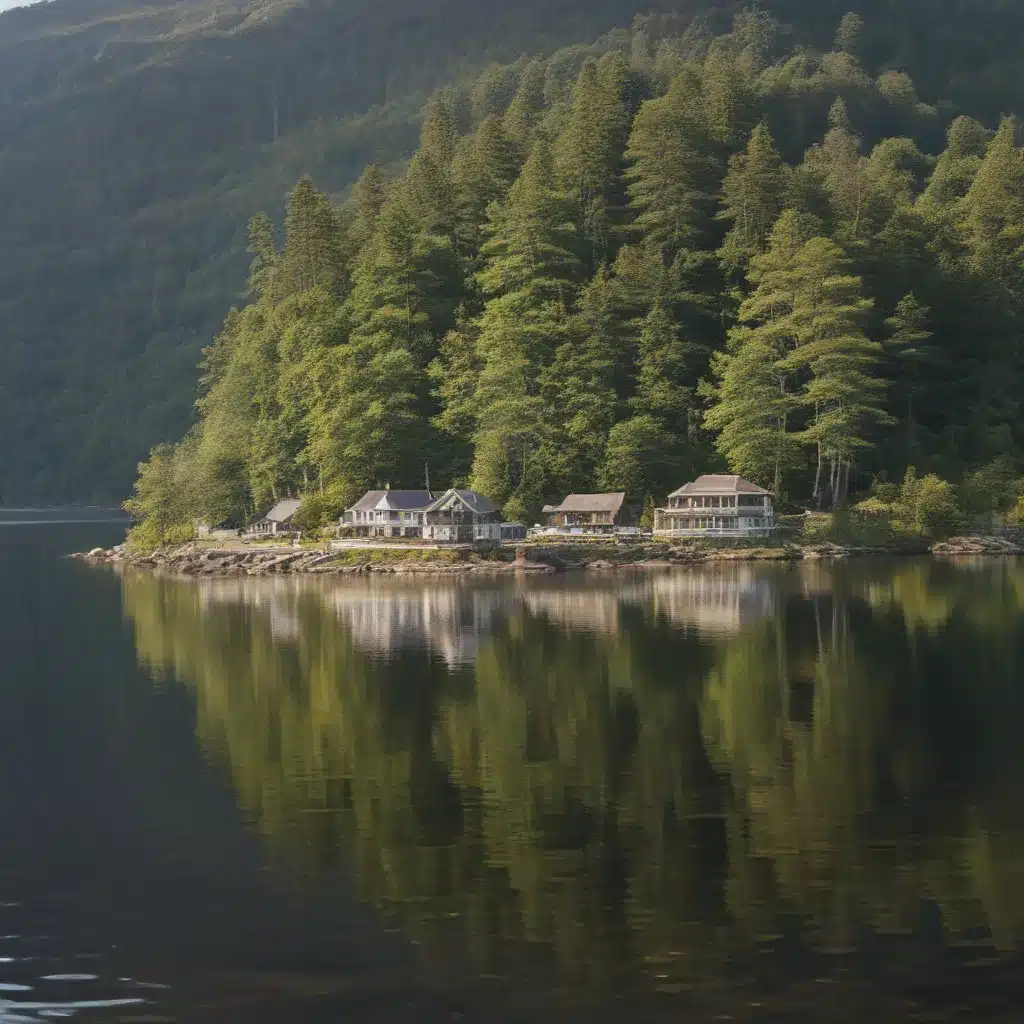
x=612, y=785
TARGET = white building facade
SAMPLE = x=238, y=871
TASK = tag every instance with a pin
x=717, y=506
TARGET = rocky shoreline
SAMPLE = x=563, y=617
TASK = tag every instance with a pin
x=196, y=560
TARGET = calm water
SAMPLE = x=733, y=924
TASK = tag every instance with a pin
x=758, y=794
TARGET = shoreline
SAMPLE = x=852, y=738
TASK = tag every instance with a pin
x=197, y=560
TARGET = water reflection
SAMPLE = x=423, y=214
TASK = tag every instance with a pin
x=702, y=781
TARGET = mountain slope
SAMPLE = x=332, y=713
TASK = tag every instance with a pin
x=135, y=143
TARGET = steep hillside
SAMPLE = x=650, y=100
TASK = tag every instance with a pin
x=135, y=143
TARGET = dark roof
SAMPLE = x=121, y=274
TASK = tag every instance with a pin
x=399, y=500
x=715, y=484
x=593, y=502
x=474, y=502
x=368, y=502
x=283, y=510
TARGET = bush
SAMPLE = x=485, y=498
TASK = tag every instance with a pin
x=1015, y=517
x=150, y=535
x=929, y=505
x=317, y=511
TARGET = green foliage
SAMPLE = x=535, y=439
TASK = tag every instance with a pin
x=317, y=511
x=162, y=504
x=601, y=266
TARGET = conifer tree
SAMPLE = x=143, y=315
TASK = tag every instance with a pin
x=527, y=107
x=430, y=183
x=313, y=256
x=675, y=170
x=730, y=99
x=484, y=170
x=578, y=389
x=455, y=373
x=368, y=197
x=844, y=393
x=754, y=399
x=994, y=209
x=529, y=278
x=754, y=194
x=265, y=265
x=909, y=354
x=966, y=142
x=589, y=155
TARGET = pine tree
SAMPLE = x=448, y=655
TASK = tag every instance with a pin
x=994, y=209
x=845, y=394
x=661, y=372
x=455, y=374
x=955, y=169
x=430, y=182
x=578, y=389
x=845, y=174
x=265, y=265
x=529, y=279
x=527, y=107
x=484, y=170
x=751, y=408
x=675, y=170
x=755, y=398
x=368, y=197
x=909, y=354
x=313, y=256
x=754, y=194
x=589, y=154
x=730, y=99
x=634, y=457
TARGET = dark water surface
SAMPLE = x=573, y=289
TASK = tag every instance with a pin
x=746, y=793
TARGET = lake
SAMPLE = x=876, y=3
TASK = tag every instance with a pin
x=751, y=793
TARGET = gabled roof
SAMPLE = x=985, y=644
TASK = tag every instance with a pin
x=368, y=502
x=405, y=500
x=593, y=502
x=476, y=503
x=715, y=484
x=283, y=510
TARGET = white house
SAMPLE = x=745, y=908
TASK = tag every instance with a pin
x=717, y=506
x=389, y=513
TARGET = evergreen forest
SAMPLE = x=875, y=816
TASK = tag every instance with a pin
x=777, y=241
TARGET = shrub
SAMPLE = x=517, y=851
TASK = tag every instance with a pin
x=929, y=505
x=150, y=535
x=1015, y=517
x=316, y=511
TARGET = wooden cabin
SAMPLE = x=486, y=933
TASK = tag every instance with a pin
x=589, y=513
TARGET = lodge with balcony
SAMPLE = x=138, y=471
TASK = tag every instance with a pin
x=717, y=506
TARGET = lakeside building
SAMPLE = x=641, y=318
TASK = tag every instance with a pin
x=588, y=513
x=278, y=521
x=388, y=513
x=359, y=518
x=717, y=506
x=462, y=517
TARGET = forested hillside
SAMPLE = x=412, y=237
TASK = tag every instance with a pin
x=135, y=144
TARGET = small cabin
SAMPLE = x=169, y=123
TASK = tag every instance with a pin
x=278, y=521
x=717, y=506
x=589, y=513
x=462, y=517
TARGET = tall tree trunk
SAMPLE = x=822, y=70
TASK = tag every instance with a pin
x=817, y=481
